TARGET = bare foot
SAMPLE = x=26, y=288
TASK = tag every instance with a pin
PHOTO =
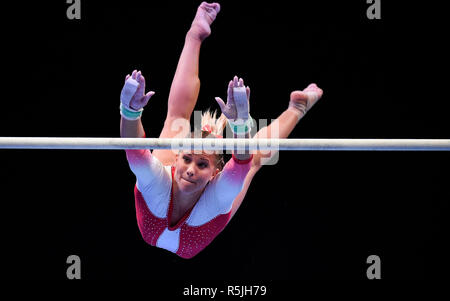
x=304, y=100
x=206, y=14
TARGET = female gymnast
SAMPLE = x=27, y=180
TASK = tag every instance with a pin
x=185, y=199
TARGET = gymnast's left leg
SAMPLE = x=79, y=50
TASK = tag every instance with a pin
x=186, y=83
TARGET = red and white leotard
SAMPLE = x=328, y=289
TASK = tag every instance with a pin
x=201, y=224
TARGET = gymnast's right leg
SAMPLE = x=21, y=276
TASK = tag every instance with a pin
x=186, y=83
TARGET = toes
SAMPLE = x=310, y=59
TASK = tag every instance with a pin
x=313, y=88
x=311, y=94
x=208, y=6
x=299, y=95
x=320, y=92
x=214, y=5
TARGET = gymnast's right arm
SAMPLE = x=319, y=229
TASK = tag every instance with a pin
x=132, y=101
x=131, y=128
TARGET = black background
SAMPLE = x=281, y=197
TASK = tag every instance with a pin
x=312, y=216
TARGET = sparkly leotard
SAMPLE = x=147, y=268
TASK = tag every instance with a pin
x=202, y=223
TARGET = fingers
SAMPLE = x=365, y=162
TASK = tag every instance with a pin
x=238, y=82
x=147, y=97
x=140, y=91
x=235, y=81
x=137, y=76
x=141, y=80
x=230, y=90
x=133, y=75
x=221, y=103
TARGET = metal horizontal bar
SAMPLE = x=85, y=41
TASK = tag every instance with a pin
x=225, y=144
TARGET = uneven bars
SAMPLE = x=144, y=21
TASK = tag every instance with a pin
x=225, y=144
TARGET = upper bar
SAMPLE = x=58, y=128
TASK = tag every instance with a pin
x=226, y=144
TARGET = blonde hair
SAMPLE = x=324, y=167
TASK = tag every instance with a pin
x=217, y=125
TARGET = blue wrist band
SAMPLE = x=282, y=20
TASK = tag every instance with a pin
x=241, y=126
x=130, y=114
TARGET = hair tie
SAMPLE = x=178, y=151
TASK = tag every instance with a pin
x=207, y=128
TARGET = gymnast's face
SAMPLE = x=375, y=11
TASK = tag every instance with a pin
x=194, y=171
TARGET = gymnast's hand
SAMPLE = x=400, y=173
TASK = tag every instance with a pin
x=132, y=95
x=237, y=105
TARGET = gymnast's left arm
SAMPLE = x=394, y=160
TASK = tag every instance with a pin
x=231, y=180
x=237, y=111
